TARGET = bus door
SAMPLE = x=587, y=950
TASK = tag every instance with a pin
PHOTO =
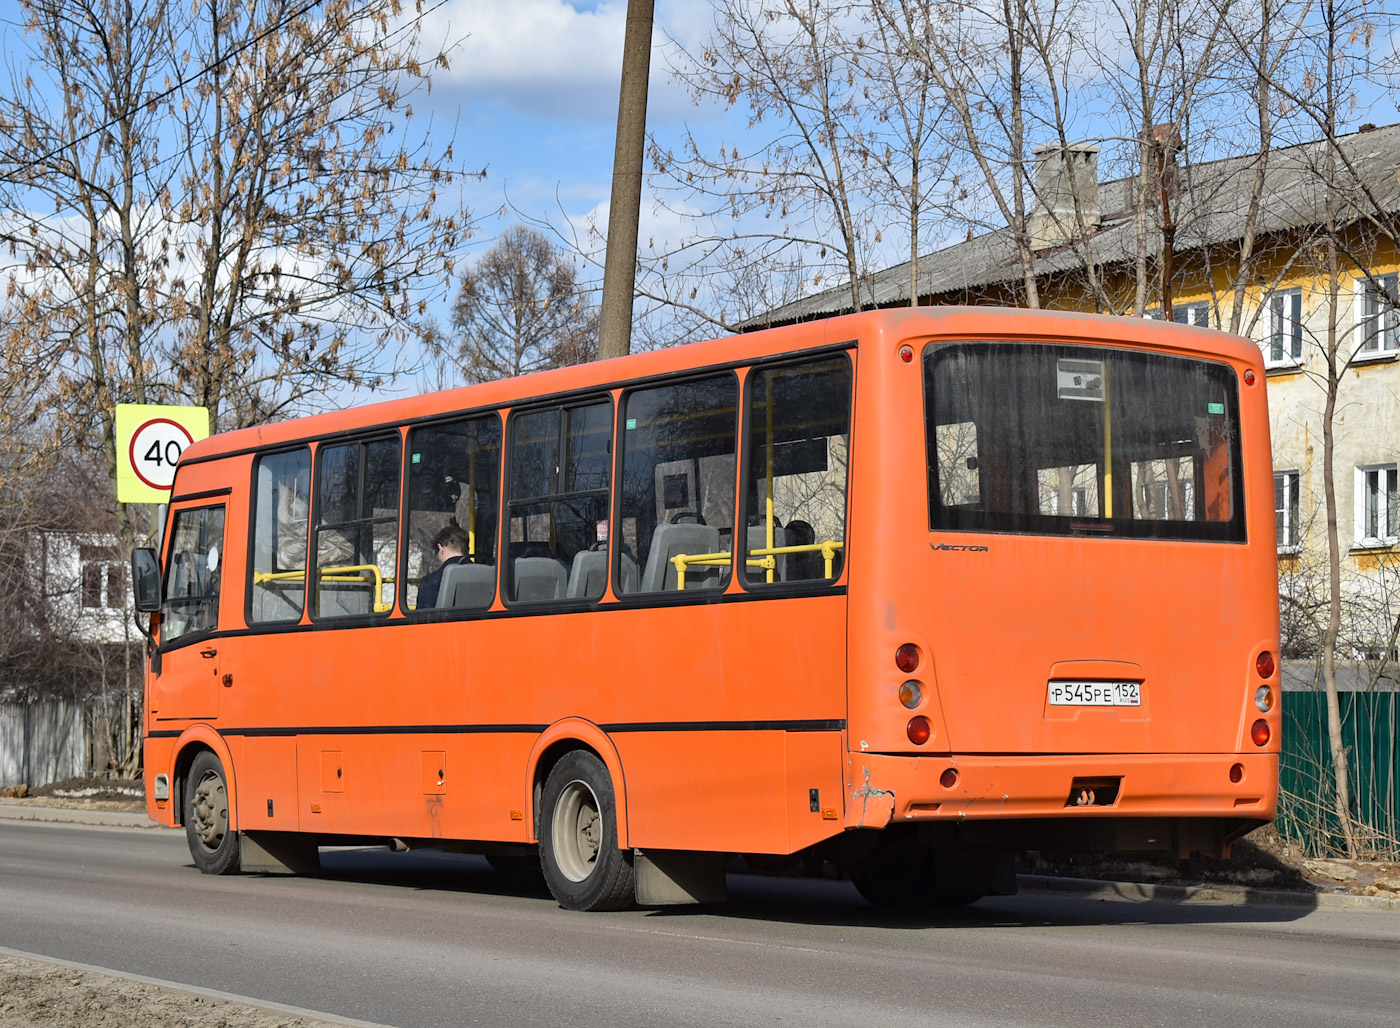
x=187, y=685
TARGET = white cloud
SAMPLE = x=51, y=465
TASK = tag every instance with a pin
x=546, y=58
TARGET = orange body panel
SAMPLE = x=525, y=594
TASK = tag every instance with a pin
x=719, y=720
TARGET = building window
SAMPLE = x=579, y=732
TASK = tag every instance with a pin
x=1377, y=317
x=1286, y=509
x=1192, y=314
x=103, y=577
x=1284, y=346
x=1376, y=507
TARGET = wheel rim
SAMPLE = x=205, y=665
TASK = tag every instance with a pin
x=210, y=810
x=577, y=831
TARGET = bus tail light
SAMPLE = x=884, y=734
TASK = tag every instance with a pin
x=1264, y=699
x=919, y=730
x=948, y=778
x=911, y=694
x=906, y=658
x=1236, y=773
x=1265, y=665
x=1260, y=732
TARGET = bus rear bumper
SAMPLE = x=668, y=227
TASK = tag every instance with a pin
x=888, y=789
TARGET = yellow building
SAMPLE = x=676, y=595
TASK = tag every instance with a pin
x=1288, y=306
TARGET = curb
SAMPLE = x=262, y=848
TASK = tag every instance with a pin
x=23, y=810
x=1231, y=895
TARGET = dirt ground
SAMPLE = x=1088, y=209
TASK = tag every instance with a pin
x=41, y=995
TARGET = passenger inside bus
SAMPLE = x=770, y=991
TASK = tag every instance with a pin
x=451, y=544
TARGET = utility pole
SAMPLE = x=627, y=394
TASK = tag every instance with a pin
x=620, y=265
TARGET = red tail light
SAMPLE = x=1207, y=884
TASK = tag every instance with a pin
x=1237, y=773
x=948, y=778
x=906, y=658
x=1260, y=732
x=919, y=730
x=1265, y=665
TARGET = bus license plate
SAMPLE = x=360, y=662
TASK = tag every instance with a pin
x=1095, y=694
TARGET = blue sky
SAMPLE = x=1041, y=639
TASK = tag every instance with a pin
x=533, y=93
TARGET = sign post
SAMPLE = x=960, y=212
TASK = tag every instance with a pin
x=150, y=439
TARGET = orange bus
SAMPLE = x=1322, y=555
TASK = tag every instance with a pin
x=899, y=592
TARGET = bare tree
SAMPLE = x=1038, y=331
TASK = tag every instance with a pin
x=795, y=201
x=220, y=204
x=521, y=309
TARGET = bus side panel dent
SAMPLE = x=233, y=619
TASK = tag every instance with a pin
x=579, y=730
x=871, y=806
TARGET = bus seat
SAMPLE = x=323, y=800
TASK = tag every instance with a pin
x=758, y=540
x=588, y=574
x=467, y=586
x=590, y=570
x=668, y=541
x=538, y=578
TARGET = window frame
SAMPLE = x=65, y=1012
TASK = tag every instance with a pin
x=1275, y=313
x=505, y=583
x=167, y=568
x=1381, y=324
x=615, y=530
x=401, y=588
x=315, y=525
x=258, y=459
x=1290, y=539
x=741, y=499
x=1390, y=475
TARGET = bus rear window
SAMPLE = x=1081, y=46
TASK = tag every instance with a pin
x=1057, y=439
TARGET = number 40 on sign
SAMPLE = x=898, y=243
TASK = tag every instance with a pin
x=150, y=440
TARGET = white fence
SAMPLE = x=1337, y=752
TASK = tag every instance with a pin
x=42, y=742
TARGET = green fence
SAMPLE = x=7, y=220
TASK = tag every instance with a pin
x=1307, y=812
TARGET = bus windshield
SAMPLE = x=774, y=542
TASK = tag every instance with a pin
x=1045, y=439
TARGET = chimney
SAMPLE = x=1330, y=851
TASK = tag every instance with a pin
x=1060, y=177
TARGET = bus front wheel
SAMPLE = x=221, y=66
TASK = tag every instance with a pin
x=213, y=846
x=583, y=866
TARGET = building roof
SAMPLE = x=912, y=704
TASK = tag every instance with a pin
x=1210, y=205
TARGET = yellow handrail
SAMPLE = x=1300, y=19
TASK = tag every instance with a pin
x=765, y=558
x=344, y=574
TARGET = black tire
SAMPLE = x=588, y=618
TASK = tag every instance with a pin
x=213, y=846
x=583, y=866
x=910, y=883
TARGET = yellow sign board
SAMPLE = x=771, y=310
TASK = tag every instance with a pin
x=150, y=439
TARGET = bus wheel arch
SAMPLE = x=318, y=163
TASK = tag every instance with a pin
x=556, y=742
x=196, y=740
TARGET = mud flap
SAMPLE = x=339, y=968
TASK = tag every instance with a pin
x=668, y=878
x=278, y=853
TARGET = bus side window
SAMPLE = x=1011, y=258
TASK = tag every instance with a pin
x=798, y=426
x=357, y=520
x=281, y=509
x=677, y=491
x=454, y=471
x=560, y=479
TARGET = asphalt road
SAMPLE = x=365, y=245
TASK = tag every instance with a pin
x=432, y=939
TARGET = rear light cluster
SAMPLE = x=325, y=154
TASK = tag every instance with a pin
x=911, y=693
x=1259, y=732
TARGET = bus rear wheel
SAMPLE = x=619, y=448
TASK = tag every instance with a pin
x=583, y=866
x=213, y=846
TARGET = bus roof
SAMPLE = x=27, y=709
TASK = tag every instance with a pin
x=903, y=322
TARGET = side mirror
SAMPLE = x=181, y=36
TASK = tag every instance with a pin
x=145, y=580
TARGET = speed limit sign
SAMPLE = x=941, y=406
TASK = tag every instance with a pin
x=150, y=440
